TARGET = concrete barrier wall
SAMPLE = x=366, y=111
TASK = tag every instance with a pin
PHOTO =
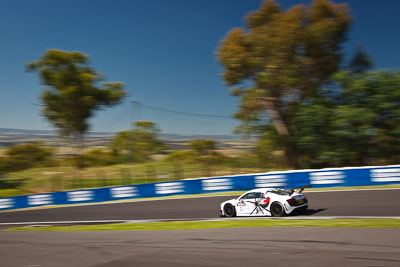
x=322, y=178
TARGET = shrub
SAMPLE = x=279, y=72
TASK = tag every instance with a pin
x=25, y=156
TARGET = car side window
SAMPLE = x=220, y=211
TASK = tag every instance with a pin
x=258, y=195
x=245, y=196
x=249, y=196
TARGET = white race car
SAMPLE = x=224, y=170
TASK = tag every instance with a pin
x=266, y=202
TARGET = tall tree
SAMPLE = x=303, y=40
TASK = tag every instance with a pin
x=74, y=91
x=278, y=60
x=361, y=61
x=25, y=156
x=367, y=121
x=146, y=136
x=203, y=147
x=204, y=151
x=137, y=144
x=355, y=122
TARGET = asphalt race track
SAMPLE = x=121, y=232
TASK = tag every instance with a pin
x=338, y=203
x=270, y=246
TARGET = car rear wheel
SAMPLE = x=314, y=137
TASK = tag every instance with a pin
x=277, y=209
x=229, y=210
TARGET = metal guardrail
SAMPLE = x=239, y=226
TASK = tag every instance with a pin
x=333, y=177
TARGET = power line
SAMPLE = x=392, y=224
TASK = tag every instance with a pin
x=115, y=120
x=187, y=113
x=135, y=105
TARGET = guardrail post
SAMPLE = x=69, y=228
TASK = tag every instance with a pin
x=101, y=178
x=74, y=181
x=125, y=177
x=130, y=176
x=178, y=171
x=151, y=172
x=54, y=184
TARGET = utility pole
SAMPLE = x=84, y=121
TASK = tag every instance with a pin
x=135, y=107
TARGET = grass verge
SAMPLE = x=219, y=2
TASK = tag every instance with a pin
x=221, y=224
x=51, y=179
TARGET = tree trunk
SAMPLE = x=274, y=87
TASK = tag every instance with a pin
x=282, y=129
x=291, y=155
x=275, y=116
x=80, y=146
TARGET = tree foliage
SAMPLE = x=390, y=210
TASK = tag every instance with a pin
x=361, y=61
x=181, y=156
x=98, y=157
x=25, y=156
x=138, y=144
x=279, y=59
x=355, y=122
x=73, y=91
x=204, y=152
x=203, y=147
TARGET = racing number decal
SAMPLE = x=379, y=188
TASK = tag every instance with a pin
x=241, y=205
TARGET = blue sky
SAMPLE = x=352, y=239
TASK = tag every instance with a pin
x=163, y=50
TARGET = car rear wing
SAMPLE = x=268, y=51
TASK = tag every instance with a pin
x=301, y=189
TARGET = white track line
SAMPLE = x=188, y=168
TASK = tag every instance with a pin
x=206, y=219
x=65, y=222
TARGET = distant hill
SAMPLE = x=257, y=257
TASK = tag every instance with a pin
x=9, y=137
x=231, y=145
x=9, y=131
x=192, y=137
x=34, y=133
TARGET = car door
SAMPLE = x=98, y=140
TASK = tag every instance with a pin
x=246, y=203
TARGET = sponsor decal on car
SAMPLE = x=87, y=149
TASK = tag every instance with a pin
x=6, y=203
x=169, y=188
x=76, y=196
x=217, y=184
x=333, y=177
x=270, y=181
x=385, y=175
x=241, y=204
x=123, y=192
x=42, y=199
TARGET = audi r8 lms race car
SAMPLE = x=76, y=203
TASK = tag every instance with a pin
x=266, y=202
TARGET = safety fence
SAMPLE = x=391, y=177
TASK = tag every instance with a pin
x=335, y=177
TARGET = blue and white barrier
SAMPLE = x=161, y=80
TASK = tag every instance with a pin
x=334, y=177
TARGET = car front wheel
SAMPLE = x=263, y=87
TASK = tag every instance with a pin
x=229, y=210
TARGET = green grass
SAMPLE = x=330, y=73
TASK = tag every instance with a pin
x=41, y=180
x=11, y=192
x=222, y=224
